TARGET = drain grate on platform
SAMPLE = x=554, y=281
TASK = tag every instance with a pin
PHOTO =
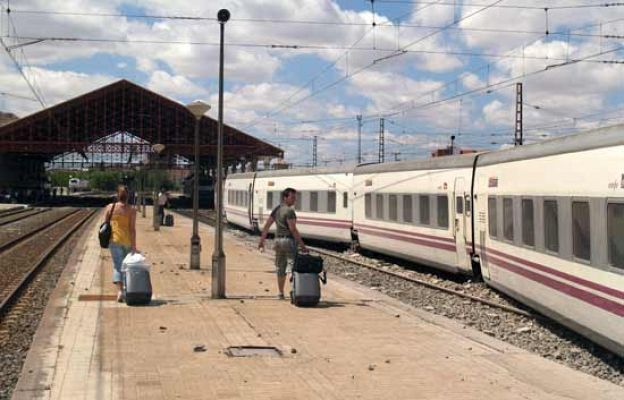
x=253, y=351
x=97, y=297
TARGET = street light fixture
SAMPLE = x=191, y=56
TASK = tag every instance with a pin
x=198, y=108
x=218, y=256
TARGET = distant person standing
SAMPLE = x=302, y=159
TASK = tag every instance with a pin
x=123, y=239
x=163, y=199
x=286, y=236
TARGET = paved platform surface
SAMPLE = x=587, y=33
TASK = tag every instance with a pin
x=358, y=344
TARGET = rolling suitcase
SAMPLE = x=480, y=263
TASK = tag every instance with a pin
x=169, y=220
x=137, y=285
x=306, y=287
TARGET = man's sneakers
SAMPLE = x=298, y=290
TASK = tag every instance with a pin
x=281, y=296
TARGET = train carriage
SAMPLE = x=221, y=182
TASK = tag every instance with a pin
x=239, y=196
x=416, y=210
x=324, y=207
x=549, y=229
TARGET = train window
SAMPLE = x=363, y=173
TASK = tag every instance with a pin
x=443, y=212
x=492, y=220
x=298, y=201
x=615, y=234
x=331, y=202
x=269, y=200
x=314, y=201
x=508, y=228
x=459, y=205
x=581, y=244
x=528, y=223
x=393, y=212
x=345, y=199
x=551, y=226
x=379, y=206
x=468, y=206
x=368, y=208
x=407, y=208
x=423, y=201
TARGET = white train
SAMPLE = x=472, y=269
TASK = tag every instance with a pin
x=543, y=223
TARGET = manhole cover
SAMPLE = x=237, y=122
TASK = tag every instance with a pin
x=253, y=351
x=97, y=297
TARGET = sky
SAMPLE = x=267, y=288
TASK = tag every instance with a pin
x=295, y=69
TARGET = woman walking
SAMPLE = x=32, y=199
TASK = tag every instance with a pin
x=123, y=239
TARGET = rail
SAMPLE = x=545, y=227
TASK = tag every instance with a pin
x=14, y=290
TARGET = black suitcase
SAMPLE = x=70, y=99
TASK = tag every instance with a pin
x=169, y=220
x=306, y=287
x=137, y=286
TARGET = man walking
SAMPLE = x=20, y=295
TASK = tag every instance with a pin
x=286, y=236
x=163, y=199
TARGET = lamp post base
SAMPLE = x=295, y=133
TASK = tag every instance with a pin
x=218, y=276
x=195, y=252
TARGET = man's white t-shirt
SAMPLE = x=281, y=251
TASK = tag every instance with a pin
x=162, y=199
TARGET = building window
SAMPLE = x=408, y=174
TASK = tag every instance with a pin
x=615, y=234
x=423, y=201
x=443, y=213
x=492, y=220
x=581, y=237
x=314, y=201
x=345, y=199
x=331, y=202
x=368, y=208
x=528, y=224
x=508, y=226
x=379, y=206
x=551, y=226
x=393, y=213
x=407, y=208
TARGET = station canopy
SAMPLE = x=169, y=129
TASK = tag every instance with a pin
x=121, y=124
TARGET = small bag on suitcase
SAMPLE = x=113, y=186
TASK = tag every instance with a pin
x=169, y=220
x=306, y=287
x=137, y=286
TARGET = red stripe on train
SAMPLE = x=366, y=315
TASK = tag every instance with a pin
x=587, y=297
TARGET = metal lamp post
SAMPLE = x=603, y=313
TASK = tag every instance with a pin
x=218, y=256
x=198, y=109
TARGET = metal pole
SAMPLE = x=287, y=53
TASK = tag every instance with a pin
x=218, y=256
x=314, y=151
x=518, y=130
x=359, y=155
x=195, y=261
x=382, y=148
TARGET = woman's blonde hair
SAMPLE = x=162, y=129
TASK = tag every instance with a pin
x=122, y=193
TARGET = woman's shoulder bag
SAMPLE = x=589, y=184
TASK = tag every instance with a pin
x=106, y=230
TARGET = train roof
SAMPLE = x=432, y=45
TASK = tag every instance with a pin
x=446, y=162
x=292, y=172
x=583, y=141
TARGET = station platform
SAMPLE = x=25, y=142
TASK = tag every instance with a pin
x=358, y=344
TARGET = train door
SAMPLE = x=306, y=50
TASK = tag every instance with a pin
x=460, y=223
x=250, y=205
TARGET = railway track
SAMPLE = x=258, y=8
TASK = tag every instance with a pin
x=18, y=216
x=11, y=238
x=23, y=256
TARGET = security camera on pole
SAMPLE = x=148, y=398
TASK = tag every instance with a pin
x=218, y=257
x=198, y=109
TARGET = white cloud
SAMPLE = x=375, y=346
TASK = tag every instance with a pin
x=174, y=85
